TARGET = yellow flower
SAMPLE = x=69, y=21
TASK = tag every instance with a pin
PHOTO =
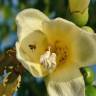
x=55, y=49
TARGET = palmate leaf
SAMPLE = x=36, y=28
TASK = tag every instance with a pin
x=10, y=73
x=7, y=89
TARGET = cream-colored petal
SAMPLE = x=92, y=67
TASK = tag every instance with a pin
x=86, y=49
x=81, y=42
x=74, y=87
x=78, y=5
x=35, y=44
x=81, y=46
x=29, y=20
x=29, y=51
x=64, y=73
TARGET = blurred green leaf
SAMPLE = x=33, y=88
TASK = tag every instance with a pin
x=90, y=90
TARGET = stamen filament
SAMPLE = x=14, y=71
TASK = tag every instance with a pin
x=48, y=60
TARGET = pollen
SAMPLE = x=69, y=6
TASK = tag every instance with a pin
x=61, y=51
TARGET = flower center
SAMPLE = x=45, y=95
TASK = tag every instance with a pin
x=57, y=54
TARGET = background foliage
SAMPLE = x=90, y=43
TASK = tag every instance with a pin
x=10, y=75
